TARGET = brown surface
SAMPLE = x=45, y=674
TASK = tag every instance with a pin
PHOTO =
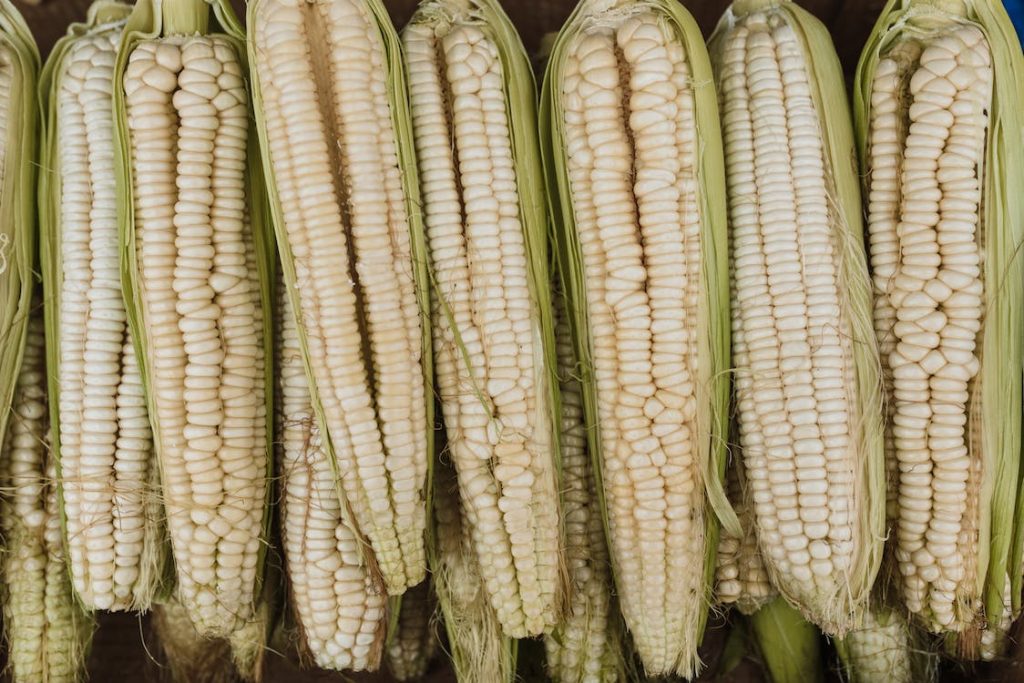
x=124, y=651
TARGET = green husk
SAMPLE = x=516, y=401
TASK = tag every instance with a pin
x=104, y=16
x=478, y=649
x=521, y=109
x=714, y=324
x=836, y=611
x=17, y=198
x=790, y=647
x=152, y=19
x=402, y=125
x=46, y=633
x=885, y=647
x=1001, y=228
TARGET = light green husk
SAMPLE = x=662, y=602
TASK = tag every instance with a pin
x=17, y=198
x=104, y=16
x=521, y=110
x=152, y=19
x=478, y=649
x=1000, y=522
x=885, y=647
x=714, y=323
x=790, y=647
x=402, y=124
x=46, y=632
x=413, y=644
x=837, y=612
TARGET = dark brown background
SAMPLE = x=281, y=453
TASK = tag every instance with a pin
x=125, y=650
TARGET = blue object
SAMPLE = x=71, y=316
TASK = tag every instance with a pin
x=1015, y=8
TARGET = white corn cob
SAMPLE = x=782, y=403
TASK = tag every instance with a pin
x=740, y=575
x=413, y=643
x=806, y=380
x=339, y=602
x=46, y=632
x=103, y=438
x=927, y=151
x=197, y=289
x=628, y=89
x=479, y=649
x=322, y=73
x=938, y=104
x=585, y=646
x=881, y=648
x=489, y=328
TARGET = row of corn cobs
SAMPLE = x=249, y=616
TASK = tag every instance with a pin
x=266, y=256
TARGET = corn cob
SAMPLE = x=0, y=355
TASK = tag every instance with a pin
x=634, y=159
x=740, y=575
x=102, y=438
x=196, y=286
x=19, y=64
x=329, y=93
x=339, y=602
x=807, y=385
x=939, y=106
x=473, y=111
x=586, y=645
x=46, y=632
x=883, y=648
x=478, y=648
x=413, y=644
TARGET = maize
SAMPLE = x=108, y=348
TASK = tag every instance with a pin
x=478, y=648
x=329, y=93
x=46, y=632
x=19, y=64
x=413, y=644
x=939, y=110
x=740, y=575
x=339, y=603
x=586, y=645
x=882, y=648
x=102, y=437
x=634, y=156
x=197, y=283
x=473, y=111
x=806, y=368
